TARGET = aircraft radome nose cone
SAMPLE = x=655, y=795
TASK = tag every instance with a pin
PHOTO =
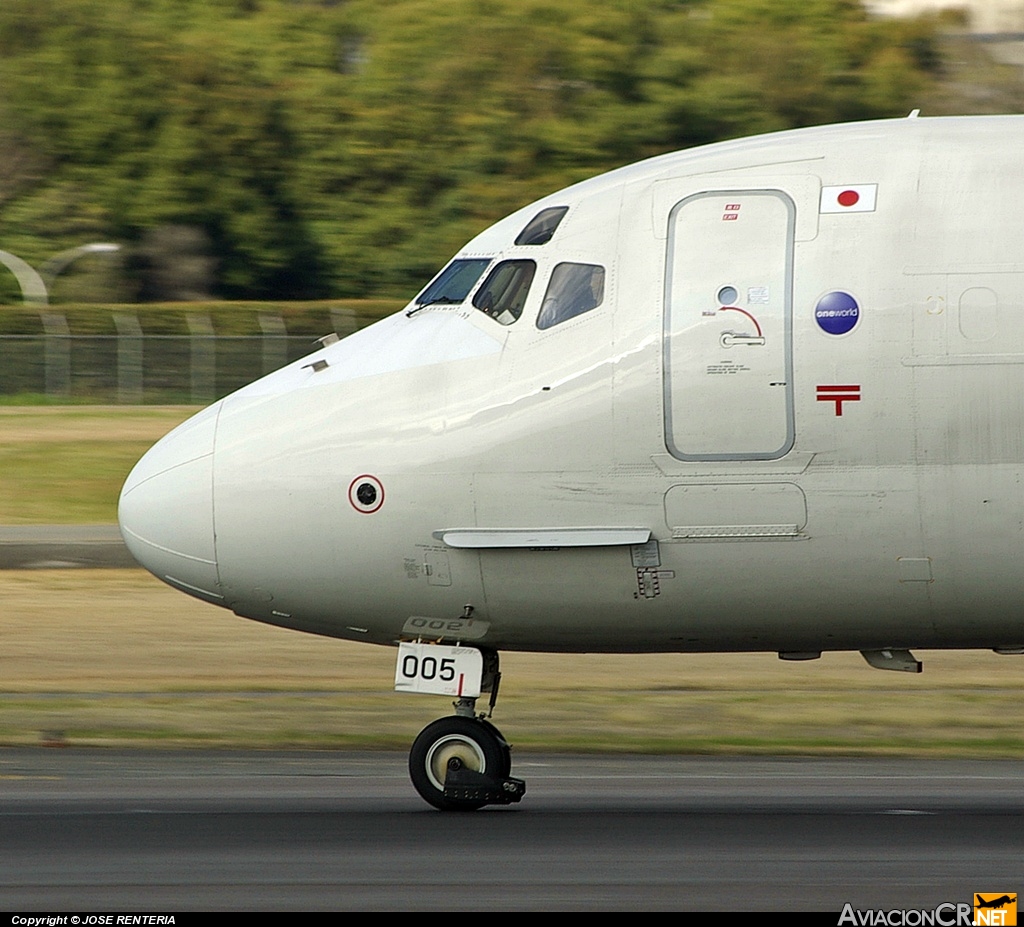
x=166, y=508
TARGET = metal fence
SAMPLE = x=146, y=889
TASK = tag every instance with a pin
x=136, y=367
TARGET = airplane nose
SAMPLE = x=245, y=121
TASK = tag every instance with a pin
x=166, y=508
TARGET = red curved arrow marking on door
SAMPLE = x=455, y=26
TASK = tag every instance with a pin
x=747, y=314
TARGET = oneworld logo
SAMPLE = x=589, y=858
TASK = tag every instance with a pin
x=837, y=313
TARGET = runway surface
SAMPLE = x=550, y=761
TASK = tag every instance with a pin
x=166, y=832
x=47, y=547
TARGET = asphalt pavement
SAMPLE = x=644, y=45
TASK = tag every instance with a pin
x=47, y=547
x=175, y=831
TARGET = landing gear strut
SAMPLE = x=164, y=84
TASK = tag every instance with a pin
x=462, y=763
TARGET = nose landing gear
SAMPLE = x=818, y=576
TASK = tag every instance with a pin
x=462, y=763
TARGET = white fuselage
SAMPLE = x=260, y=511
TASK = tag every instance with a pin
x=795, y=422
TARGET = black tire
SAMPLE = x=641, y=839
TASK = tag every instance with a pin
x=478, y=744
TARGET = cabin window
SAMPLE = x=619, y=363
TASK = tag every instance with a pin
x=453, y=284
x=542, y=226
x=573, y=290
x=503, y=294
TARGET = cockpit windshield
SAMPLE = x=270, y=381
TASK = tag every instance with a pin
x=503, y=294
x=573, y=290
x=453, y=284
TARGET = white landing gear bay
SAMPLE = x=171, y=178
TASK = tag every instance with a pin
x=766, y=395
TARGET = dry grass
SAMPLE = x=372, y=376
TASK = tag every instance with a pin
x=116, y=657
x=65, y=465
x=69, y=424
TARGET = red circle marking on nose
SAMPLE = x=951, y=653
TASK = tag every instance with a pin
x=848, y=198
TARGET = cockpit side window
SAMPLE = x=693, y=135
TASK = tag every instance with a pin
x=503, y=294
x=453, y=284
x=573, y=290
x=541, y=227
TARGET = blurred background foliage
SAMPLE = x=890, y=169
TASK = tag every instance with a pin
x=305, y=149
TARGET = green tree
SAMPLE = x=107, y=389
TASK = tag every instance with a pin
x=326, y=149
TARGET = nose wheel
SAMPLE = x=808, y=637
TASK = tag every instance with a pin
x=463, y=763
